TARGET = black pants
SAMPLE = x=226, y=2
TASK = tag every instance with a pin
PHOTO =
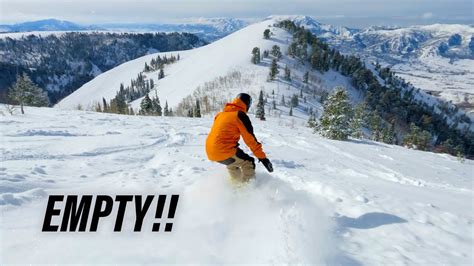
x=240, y=154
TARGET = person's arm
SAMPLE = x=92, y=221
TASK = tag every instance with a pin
x=246, y=130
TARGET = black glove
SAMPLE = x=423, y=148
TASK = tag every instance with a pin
x=267, y=164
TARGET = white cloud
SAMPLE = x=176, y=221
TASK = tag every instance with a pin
x=427, y=15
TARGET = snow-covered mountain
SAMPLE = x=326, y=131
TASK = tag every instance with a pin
x=221, y=69
x=205, y=65
x=209, y=29
x=450, y=41
x=324, y=31
x=437, y=58
x=61, y=62
x=395, y=44
x=46, y=25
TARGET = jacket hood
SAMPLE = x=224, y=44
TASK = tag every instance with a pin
x=236, y=105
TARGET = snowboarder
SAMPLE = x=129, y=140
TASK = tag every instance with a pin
x=222, y=144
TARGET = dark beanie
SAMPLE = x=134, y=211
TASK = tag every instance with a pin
x=247, y=99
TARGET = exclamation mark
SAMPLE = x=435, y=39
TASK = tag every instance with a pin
x=172, y=211
x=159, y=212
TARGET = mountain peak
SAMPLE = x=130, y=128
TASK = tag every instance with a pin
x=50, y=24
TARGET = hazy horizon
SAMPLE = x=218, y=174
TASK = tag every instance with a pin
x=351, y=22
x=350, y=13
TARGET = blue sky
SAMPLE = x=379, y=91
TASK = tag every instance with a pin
x=355, y=13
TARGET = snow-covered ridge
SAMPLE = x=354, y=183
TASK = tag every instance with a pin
x=318, y=28
x=206, y=64
x=196, y=67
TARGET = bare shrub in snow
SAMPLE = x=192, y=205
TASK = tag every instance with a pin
x=213, y=95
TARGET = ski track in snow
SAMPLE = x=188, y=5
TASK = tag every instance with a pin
x=328, y=202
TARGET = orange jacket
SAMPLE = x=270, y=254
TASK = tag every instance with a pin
x=229, y=125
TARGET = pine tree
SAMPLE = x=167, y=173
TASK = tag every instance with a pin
x=121, y=106
x=424, y=140
x=146, y=106
x=315, y=60
x=337, y=115
x=357, y=121
x=104, y=103
x=113, y=106
x=166, y=111
x=197, y=110
x=412, y=137
x=376, y=126
x=294, y=100
x=417, y=138
x=161, y=74
x=388, y=134
x=260, y=113
x=266, y=34
x=287, y=73
x=25, y=92
x=157, y=110
x=291, y=111
x=256, y=55
x=273, y=70
x=306, y=77
x=276, y=52
x=312, y=122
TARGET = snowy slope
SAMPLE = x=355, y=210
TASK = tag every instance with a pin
x=198, y=66
x=328, y=202
x=205, y=64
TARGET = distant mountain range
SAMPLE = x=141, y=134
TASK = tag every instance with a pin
x=393, y=44
x=46, y=25
x=438, y=58
x=396, y=44
x=208, y=29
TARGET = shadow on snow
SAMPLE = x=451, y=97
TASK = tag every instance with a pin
x=369, y=220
